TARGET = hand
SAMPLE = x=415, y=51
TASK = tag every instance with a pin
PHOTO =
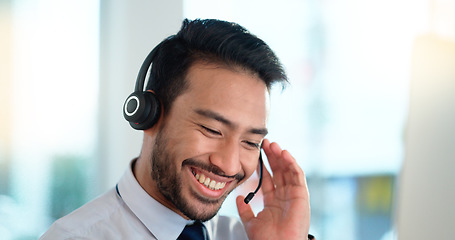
x=286, y=213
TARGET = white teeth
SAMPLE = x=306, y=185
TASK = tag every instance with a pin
x=207, y=182
x=211, y=184
x=201, y=178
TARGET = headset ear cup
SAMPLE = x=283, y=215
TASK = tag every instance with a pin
x=135, y=108
x=142, y=110
x=153, y=114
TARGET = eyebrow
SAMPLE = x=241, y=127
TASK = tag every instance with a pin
x=225, y=121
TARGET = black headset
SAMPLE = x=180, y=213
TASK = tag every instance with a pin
x=142, y=109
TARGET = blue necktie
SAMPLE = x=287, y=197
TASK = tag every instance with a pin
x=195, y=231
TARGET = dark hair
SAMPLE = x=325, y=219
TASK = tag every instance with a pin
x=209, y=40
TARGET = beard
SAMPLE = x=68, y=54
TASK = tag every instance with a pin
x=169, y=182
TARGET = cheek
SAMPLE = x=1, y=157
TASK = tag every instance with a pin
x=190, y=144
x=250, y=165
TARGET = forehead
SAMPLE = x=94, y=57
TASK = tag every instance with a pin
x=232, y=92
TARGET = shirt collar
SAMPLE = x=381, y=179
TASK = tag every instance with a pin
x=162, y=222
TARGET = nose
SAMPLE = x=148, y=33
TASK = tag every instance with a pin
x=227, y=158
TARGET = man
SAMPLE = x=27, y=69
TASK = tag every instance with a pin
x=204, y=117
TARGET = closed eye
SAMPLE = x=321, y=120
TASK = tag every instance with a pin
x=253, y=145
x=211, y=131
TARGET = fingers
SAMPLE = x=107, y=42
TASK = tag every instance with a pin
x=295, y=174
x=284, y=167
x=273, y=153
x=267, y=182
x=245, y=211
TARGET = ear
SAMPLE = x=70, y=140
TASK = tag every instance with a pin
x=155, y=128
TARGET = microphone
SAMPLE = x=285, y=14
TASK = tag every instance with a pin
x=251, y=194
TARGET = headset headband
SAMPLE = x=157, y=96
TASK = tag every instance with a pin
x=140, y=81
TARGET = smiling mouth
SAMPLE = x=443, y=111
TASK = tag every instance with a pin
x=207, y=182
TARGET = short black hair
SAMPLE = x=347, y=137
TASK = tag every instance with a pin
x=209, y=40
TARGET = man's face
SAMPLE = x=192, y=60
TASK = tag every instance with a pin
x=210, y=141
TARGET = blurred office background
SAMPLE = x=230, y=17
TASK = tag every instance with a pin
x=368, y=114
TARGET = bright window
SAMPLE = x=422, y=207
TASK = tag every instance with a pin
x=342, y=117
x=50, y=96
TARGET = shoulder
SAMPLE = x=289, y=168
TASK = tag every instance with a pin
x=95, y=219
x=226, y=228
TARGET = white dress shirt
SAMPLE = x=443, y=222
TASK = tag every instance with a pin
x=128, y=212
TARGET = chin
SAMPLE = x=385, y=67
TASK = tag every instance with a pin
x=202, y=209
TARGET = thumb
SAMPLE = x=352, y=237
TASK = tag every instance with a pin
x=245, y=211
